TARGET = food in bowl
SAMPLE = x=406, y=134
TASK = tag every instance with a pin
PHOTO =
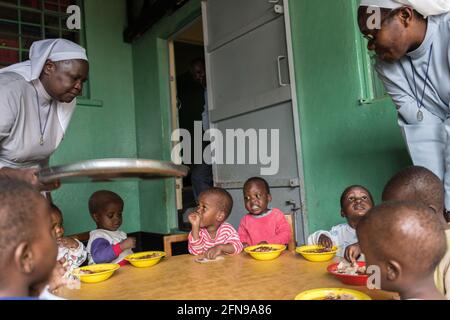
x=332, y=294
x=92, y=271
x=147, y=256
x=95, y=272
x=319, y=250
x=335, y=296
x=145, y=259
x=264, y=249
x=348, y=273
x=316, y=253
x=345, y=267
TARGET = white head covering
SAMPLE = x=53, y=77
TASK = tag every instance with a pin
x=43, y=50
x=424, y=7
x=54, y=50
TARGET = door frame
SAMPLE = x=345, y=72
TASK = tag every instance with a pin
x=296, y=117
x=174, y=119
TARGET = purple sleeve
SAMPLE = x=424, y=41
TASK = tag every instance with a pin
x=102, y=251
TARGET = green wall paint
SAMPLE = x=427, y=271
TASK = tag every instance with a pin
x=102, y=132
x=344, y=143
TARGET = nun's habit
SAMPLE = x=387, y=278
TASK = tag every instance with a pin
x=32, y=124
x=419, y=85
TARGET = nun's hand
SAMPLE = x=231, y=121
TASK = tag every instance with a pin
x=30, y=176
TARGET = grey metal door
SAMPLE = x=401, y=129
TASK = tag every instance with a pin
x=249, y=87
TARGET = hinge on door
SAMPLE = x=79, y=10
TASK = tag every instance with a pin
x=277, y=7
x=294, y=183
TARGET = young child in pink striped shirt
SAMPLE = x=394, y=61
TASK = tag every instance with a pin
x=262, y=225
x=211, y=235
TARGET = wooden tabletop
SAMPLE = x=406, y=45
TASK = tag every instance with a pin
x=234, y=278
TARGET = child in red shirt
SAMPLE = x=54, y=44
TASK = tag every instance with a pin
x=262, y=225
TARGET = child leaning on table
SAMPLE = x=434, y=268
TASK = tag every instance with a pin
x=211, y=235
x=262, y=225
x=356, y=201
x=108, y=244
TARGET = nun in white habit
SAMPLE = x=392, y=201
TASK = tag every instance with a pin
x=37, y=100
x=412, y=44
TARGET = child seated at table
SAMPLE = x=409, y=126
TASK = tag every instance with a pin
x=420, y=184
x=108, y=244
x=355, y=201
x=210, y=234
x=27, y=246
x=262, y=225
x=406, y=241
x=71, y=250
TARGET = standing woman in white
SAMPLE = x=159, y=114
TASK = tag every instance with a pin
x=411, y=39
x=37, y=100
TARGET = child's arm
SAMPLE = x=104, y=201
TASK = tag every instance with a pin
x=78, y=254
x=243, y=233
x=195, y=240
x=315, y=238
x=352, y=252
x=220, y=249
x=104, y=252
x=283, y=232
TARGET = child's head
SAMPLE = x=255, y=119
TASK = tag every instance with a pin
x=106, y=209
x=57, y=221
x=27, y=246
x=214, y=207
x=405, y=240
x=417, y=184
x=256, y=195
x=356, y=201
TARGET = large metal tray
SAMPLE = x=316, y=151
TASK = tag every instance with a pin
x=106, y=170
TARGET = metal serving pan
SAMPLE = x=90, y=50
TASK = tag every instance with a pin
x=107, y=170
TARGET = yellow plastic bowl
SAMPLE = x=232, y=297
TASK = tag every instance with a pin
x=316, y=257
x=266, y=255
x=102, y=271
x=320, y=294
x=144, y=263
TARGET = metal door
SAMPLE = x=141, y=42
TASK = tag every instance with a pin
x=248, y=70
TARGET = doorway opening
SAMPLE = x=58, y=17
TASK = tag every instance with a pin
x=188, y=96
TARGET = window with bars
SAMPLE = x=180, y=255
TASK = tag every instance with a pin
x=372, y=88
x=24, y=21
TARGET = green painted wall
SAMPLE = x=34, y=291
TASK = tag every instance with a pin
x=344, y=143
x=102, y=132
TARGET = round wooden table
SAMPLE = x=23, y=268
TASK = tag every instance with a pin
x=234, y=278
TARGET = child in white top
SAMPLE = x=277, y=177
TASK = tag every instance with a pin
x=356, y=201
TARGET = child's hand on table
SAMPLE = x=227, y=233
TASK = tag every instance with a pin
x=128, y=243
x=263, y=242
x=325, y=241
x=214, y=252
x=352, y=253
